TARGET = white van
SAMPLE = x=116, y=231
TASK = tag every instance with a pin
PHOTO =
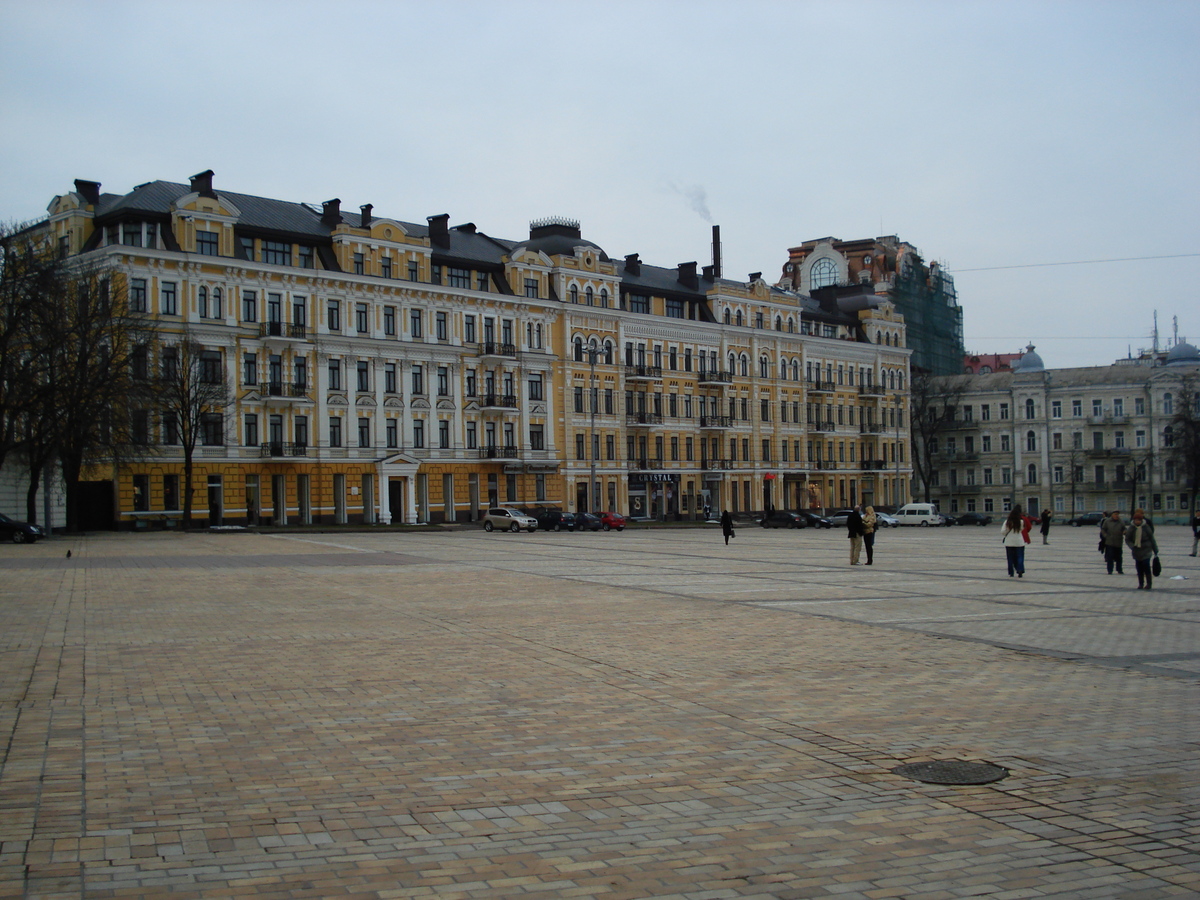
x=919, y=514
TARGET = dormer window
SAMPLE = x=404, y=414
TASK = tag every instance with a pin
x=207, y=243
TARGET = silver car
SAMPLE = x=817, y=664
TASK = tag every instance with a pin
x=508, y=519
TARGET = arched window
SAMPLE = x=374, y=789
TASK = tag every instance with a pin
x=779, y=323
x=795, y=370
x=822, y=274
x=728, y=316
x=608, y=352
x=791, y=325
x=732, y=363
x=1168, y=405
x=202, y=304
x=1031, y=442
x=578, y=349
x=1029, y=408
x=739, y=318
x=216, y=304
x=589, y=297
x=604, y=297
x=574, y=294
x=878, y=337
x=1031, y=474
x=783, y=369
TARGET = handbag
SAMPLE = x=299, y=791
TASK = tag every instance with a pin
x=1156, y=566
x=732, y=533
x=1100, y=549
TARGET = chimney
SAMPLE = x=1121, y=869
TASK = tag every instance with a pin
x=687, y=275
x=755, y=276
x=466, y=228
x=439, y=230
x=633, y=265
x=331, y=212
x=202, y=184
x=88, y=190
x=708, y=273
x=366, y=214
x=716, y=250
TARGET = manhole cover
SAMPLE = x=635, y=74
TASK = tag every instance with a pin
x=952, y=771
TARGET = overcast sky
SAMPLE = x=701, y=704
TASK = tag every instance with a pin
x=997, y=137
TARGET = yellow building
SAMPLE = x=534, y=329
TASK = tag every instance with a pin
x=386, y=371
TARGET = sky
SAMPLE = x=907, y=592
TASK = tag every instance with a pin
x=1046, y=153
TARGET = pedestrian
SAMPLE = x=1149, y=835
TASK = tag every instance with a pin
x=1045, y=526
x=1142, y=546
x=727, y=526
x=854, y=531
x=1015, y=535
x=869, y=521
x=1195, y=532
x=1112, y=533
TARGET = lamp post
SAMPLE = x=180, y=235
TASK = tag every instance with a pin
x=896, y=453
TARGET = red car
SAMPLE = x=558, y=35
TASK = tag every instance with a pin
x=610, y=520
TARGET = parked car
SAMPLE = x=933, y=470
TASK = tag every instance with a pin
x=781, y=518
x=508, y=519
x=948, y=520
x=886, y=520
x=551, y=519
x=610, y=520
x=587, y=522
x=974, y=518
x=1092, y=518
x=838, y=519
x=20, y=532
x=919, y=514
x=814, y=520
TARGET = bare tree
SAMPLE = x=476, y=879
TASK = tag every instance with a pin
x=192, y=395
x=933, y=403
x=1184, y=431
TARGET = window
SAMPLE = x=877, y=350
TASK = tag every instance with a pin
x=137, y=294
x=535, y=387
x=385, y=266
x=1139, y=405
x=1118, y=406
x=359, y=266
x=212, y=429
x=299, y=311
x=391, y=433
x=360, y=318
x=335, y=374
x=531, y=287
x=985, y=412
x=364, y=432
x=1056, y=442
x=1168, y=405
x=249, y=369
x=443, y=381
x=306, y=258
x=1077, y=408
x=675, y=309
x=1139, y=438
x=210, y=367
x=822, y=274
x=418, y=380
x=1119, y=440
x=1031, y=441
x=246, y=248
x=335, y=431
x=441, y=327
x=363, y=376
x=1056, y=409
x=469, y=329
x=639, y=303
x=1005, y=444
x=277, y=253
x=443, y=434
x=334, y=315
x=1097, y=408
x=537, y=437
x=414, y=324
x=1003, y=411
x=414, y=270
x=389, y=378
x=389, y=320
x=206, y=243
x=215, y=309
x=472, y=436
x=481, y=281
x=419, y=434
x=1030, y=409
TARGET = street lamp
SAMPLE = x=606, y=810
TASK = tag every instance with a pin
x=896, y=453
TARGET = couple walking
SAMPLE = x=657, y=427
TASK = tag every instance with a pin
x=1138, y=535
x=860, y=528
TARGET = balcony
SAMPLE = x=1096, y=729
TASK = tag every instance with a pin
x=872, y=428
x=497, y=350
x=821, y=426
x=646, y=465
x=874, y=465
x=821, y=387
x=643, y=373
x=825, y=464
x=281, y=391
x=282, y=449
x=966, y=488
x=715, y=377
x=871, y=390
x=716, y=421
x=643, y=419
x=492, y=451
x=504, y=402
x=283, y=331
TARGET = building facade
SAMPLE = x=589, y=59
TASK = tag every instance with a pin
x=1069, y=440
x=924, y=294
x=387, y=371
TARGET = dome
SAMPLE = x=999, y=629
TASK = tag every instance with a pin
x=1182, y=353
x=556, y=236
x=1029, y=362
